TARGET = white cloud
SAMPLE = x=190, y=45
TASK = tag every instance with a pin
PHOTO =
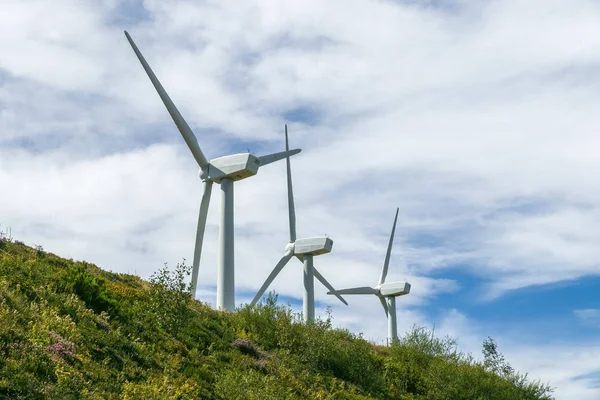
x=589, y=316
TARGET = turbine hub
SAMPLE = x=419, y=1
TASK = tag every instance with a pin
x=203, y=173
x=290, y=247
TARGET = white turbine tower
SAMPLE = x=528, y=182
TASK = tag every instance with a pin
x=223, y=170
x=386, y=292
x=304, y=250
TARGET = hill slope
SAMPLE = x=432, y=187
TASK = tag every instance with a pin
x=71, y=330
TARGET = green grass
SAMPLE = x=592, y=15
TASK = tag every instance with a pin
x=69, y=330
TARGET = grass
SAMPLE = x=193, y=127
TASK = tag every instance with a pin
x=69, y=330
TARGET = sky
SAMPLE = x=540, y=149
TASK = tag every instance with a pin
x=477, y=119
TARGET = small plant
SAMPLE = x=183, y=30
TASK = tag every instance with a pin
x=89, y=288
x=61, y=347
x=170, y=297
x=423, y=340
x=39, y=250
x=495, y=362
x=246, y=347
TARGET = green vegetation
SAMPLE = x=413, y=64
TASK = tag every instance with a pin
x=69, y=330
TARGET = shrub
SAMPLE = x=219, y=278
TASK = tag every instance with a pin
x=89, y=288
x=170, y=298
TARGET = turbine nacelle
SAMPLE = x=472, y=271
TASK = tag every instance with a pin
x=235, y=167
x=393, y=289
x=312, y=246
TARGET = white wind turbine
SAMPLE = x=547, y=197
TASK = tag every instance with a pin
x=223, y=170
x=386, y=292
x=304, y=250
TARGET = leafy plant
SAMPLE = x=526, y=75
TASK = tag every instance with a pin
x=170, y=297
x=90, y=289
x=495, y=362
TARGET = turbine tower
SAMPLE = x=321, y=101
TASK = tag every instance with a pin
x=224, y=171
x=304, y=250
x=386, y=292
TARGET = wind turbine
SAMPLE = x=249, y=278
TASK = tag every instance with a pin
x=386, y=292
x=304, y=250
x=224, y=171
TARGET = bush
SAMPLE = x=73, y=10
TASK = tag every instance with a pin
x=170, y=298
x=90, y=289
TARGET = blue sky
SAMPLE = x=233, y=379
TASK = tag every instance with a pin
x=477, y=119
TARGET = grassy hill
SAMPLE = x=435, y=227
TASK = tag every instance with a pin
x=69, y=330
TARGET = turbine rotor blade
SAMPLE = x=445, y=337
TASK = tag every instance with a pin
x=200, y=234
x=356, y=290
x=284, y=260
x=328, y=285
x=271, y=158
x=291, y=207
x=386, y=263
x=384, y=304
x=183, y=127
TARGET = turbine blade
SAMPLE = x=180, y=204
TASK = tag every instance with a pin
x=356, y=290
x=328, y=285
x=291, y=207
x=384, y=304
x=284, y=260
x=183, y=127
x=271, y=158
x=200, y=234
x=386, y=263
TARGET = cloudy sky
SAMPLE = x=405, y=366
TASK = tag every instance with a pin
x=477, y=118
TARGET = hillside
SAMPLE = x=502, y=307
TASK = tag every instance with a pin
x=69, y=330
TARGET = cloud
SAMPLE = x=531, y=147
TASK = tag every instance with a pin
x=589, y=316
